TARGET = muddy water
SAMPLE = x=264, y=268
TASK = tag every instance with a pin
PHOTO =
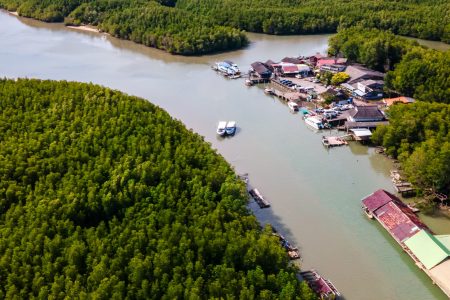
x=315, y=193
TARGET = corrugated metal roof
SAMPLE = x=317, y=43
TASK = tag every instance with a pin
x=377, y=200
x=400, y=224
x=368, y=112
x=444, y=239
x=348, y=86
x=428, y=249
x=361, y=132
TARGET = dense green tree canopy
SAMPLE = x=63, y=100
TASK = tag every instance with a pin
x=202, y=26
x=104, y=196
x=423, y=74
x=414, y=70
x=377, y=49
x=419, y=136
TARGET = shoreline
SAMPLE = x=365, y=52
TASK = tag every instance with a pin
x=87, y=28
x=14, y=13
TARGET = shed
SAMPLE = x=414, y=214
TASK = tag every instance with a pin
x=289, y=69
x=302, y=68
x=361, y=134
x=428, y=249
x=261, y=69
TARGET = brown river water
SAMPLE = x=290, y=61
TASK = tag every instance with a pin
x=315, y=193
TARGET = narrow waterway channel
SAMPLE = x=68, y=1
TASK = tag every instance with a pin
x=315, y=193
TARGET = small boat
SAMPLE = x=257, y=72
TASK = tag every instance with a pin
x=248, y=82
x=221, y=128
x=230, y=128
x=314, y=122
x=367, y=212
x=259, y=199
x=293, y=106
x=269, y=91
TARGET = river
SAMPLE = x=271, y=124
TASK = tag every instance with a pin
x=315, y=193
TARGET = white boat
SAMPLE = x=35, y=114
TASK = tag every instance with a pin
x=227, y=68
x=230, y=128
x=233, y=67
x=269, y=91
x=293, y=106
x=221, y=128
x=315, y=122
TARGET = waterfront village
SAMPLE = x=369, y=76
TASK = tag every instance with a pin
x=330, y=93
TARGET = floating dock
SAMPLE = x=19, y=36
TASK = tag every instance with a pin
x=334, y=141
x=259, y=199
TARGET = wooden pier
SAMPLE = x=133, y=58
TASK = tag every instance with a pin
x=259, y=199
x=402, y=187
x=334, y=141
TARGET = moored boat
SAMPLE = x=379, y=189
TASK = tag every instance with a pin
x=230, y=128
x=314, y=122
x=221, y=128
x=269, y=91
x=293, y=106
x=227, y=68
x=259, y=199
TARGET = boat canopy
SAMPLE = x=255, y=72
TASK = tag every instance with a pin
x=231, y=124
x=222, y=125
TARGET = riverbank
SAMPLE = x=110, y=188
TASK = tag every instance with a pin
x=316, y=207
x=84, y=28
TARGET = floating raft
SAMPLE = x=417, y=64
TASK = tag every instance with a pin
x=263, y=203
x=333, y=141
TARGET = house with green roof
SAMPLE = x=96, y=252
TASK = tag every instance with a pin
x=433, y=253
x=427, y=249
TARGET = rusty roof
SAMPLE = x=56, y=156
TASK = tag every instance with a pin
x=377, y=199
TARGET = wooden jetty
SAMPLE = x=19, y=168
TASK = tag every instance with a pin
x=334, y=141
x=402, y=187
x=323, y=288
x=259, y=199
